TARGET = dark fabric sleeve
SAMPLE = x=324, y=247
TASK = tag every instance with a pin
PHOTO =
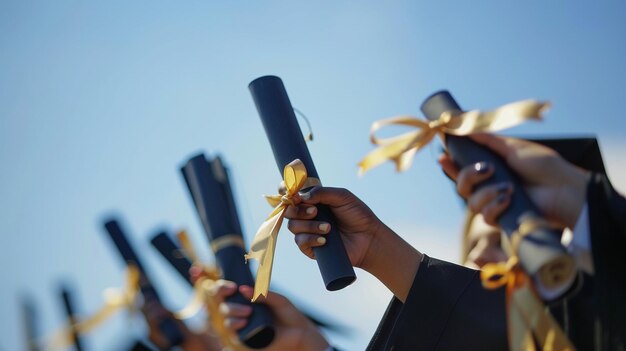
x=385, y=327
x=607, y=225
x=447, y=309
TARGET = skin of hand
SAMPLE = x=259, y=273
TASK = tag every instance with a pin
x=154, y=312
x=370, y=244
x=556, y=186
x=483, y=244
x=294, y=331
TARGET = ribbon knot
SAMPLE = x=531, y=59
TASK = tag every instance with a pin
x=439, y=124
x=264, y=242
x=528, y=320
x=497, y=275
x=401, y=148
x=286, y=200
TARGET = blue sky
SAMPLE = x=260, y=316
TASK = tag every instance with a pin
x=100, y=103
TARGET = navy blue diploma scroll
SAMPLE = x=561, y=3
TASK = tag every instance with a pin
x=212, y=196
x=541, y=253
x=66, y=295
x=285, y=136
x=29, y=320
x=172, y=254
x=167, y=326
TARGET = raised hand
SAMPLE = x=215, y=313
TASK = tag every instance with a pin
x=556, y=186
x=294, y=331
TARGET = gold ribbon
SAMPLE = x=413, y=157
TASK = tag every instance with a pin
x=402, y=148
x=204, y=296
x=201, y=286
x=114, y=300
x=226, y=241
x=264, y=243
x=528, y=319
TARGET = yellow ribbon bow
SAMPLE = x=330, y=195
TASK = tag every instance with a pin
x=204, y=295
x=402, y=148
x=264, y=243
x=202, y=286
x=114, y=300
x=528, y=319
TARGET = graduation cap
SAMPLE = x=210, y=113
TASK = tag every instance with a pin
x=583, y=152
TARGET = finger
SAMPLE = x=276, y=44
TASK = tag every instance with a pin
x=153, y=310
x=481, y=198
x=230, y=309
x=494, y=209
x=274, y=300
x=314, y=227
x=247, y=291
x=470, y=176
x=448, y=166
x=329, y=196
x=196, y=272
x=302, y=211
x=235, y=323
x=223, y=288
x=306, y=243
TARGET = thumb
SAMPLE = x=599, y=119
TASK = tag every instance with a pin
x=273, y=300
x=280, y=306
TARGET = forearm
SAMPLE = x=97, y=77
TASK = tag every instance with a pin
x=571, y=195
x=393, y=261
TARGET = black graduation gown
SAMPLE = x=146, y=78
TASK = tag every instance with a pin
x=448, y=309
x=607, y=223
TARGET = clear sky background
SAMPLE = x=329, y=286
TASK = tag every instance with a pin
x=100, y=103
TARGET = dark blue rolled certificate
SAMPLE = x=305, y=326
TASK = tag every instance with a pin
x=212, y=196
x=29, y=322
x=285, y=136
x=172, y=254
x=541, y=253
x=66, y=296
x=167, y=326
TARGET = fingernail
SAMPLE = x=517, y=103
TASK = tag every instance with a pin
x=481, y=167
x=324, y=227
x=321, y=240
x=502, y=198
x=310, y=210
x=305, y=195
x=504, y=188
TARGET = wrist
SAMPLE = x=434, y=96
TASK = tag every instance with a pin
x=573, y=193
x=393, y=261
x=315, y=341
